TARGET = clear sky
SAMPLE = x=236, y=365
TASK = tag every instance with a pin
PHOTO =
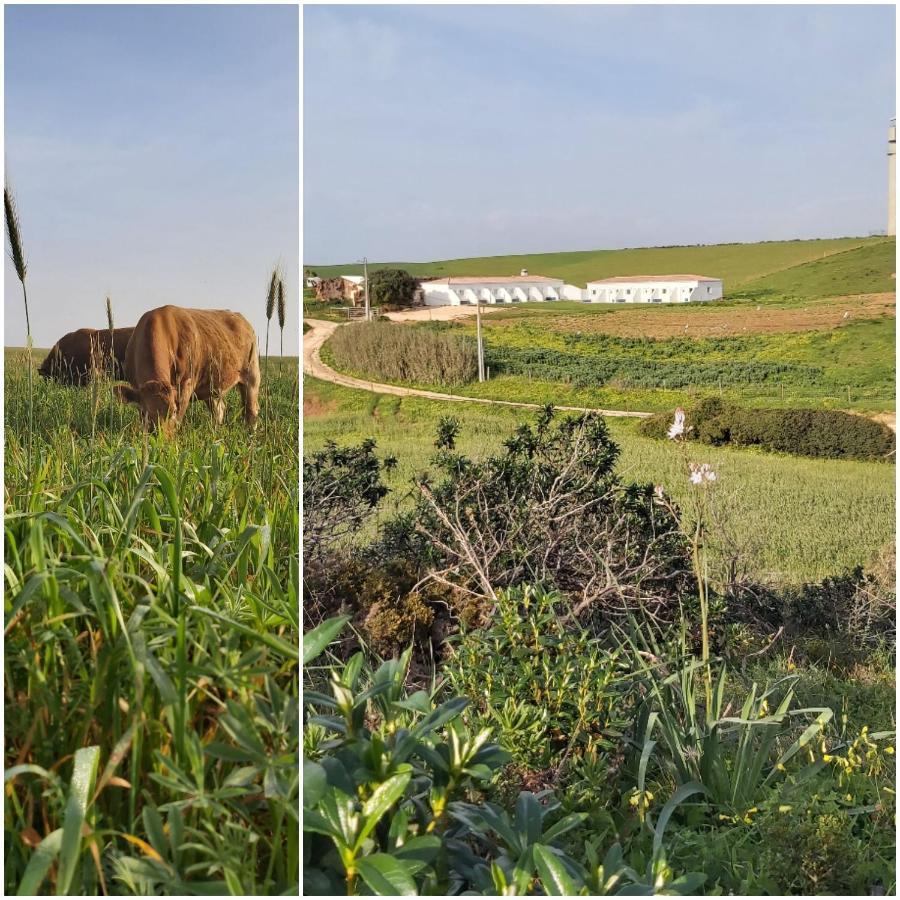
x=154, y=152
x=438, y=132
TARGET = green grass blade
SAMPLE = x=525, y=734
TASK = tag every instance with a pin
x=84, y=773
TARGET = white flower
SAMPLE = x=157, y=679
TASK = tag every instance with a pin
x=658, y=492
x=701, y=473
x=677, y=427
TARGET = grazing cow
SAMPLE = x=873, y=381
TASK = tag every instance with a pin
x=175, y=354
x=76, y=356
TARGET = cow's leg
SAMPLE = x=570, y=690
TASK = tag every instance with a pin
x=216, y=406
x=249, y=388
x=185, y=391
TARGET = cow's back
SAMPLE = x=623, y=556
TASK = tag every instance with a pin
x=173, y=339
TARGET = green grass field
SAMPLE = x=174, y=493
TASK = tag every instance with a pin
x=796, y=520
x=869, y=268
x=739, y=265
x=151, y=646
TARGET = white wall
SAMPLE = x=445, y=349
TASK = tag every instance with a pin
x=657, y=291
x=443, y=294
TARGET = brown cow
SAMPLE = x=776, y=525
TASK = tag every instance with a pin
x=76, y=356
x=175, y=354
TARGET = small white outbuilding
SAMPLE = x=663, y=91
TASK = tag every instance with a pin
x=653, y=289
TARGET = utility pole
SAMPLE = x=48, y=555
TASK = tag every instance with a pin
x=366, y=278
x=480, y=342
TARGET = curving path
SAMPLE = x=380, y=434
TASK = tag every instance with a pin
x=321, y=330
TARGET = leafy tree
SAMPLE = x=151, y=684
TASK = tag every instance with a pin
x=392, y=288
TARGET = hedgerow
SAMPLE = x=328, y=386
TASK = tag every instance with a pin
x=822, y=433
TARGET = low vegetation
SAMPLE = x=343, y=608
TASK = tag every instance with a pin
x=579, y=702
x=151, y=613
x=384, y=351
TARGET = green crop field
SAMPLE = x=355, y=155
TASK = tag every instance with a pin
x=796, y=519
x=850, y=366
x=739, y=265
x=151, y=645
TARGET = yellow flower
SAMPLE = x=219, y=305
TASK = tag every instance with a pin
x=889, y=750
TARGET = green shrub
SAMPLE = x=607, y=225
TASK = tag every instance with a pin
x=824, y=433
x=547, y=509
x=545, y=686
x=402, y=353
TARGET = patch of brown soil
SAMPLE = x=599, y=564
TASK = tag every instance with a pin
x=709, y=321
x=314, y=407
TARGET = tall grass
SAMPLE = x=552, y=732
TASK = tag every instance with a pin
x=397, y=353
x=152, y=604
x=17, y=255
x=282, y=310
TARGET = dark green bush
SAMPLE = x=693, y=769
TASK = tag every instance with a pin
x=550, y=509
x=822, y=433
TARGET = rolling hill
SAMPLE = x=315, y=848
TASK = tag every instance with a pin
x=763, y=265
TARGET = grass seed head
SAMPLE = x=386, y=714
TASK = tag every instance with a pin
x=281, y=306
x=14, y=234
x=270, y=297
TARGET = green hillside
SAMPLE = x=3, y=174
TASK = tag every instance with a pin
x=738, y=265
x=863, y=270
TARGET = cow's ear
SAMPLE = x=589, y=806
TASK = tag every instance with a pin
x=126, y=393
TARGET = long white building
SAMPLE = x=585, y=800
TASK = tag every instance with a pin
x=496, y=289
x=653, y=289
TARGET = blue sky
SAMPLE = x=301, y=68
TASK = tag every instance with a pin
x=438, y=132
x=154, y=153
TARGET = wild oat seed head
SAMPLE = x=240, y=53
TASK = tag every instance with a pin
x=270, y=297
x=281, y=309
x=14, y=234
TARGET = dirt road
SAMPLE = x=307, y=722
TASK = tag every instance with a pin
x=321, y=330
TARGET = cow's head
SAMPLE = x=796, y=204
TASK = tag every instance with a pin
x=156, y=402
x=49, y=367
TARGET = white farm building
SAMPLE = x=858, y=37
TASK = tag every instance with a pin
x=653, y=289
x=496, y=289
x=525, y=288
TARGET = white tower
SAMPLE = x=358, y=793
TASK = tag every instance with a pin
x=892, y=178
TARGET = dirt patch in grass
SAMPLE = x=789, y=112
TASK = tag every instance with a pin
x=314, y=407
x=709, y=321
